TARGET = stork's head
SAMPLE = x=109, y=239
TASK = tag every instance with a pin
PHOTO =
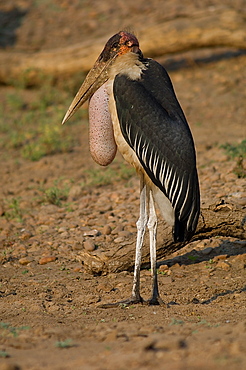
x=119, y=44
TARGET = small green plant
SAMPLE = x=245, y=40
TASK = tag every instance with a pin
x=14, y=211
x=192, y=258
x=67, y=343
x=176, y=322
x=235, y=150
x=13, y=330
x=210, y=264
x=239, y=169
x=238, y=152
x=4, y=354
x=56, y=194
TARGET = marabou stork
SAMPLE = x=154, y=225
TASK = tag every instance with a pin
x=133, y=106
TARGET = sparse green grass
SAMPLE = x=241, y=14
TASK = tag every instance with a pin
x=57, y=193
x=67, y=343
x=238, y=152
x=32, y=126
x=4, y=354
x=13, y=210
x=8, y=329
x=235, y=150
x=106, y=175
x=176, y=322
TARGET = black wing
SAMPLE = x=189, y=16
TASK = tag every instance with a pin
x=153, y=124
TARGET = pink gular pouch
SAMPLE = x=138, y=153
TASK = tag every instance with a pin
x=101, y=135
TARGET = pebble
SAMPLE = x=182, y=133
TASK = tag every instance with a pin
x=220, y=258
x=120, y=239
x=93, y=232
x=206, y=251
x=124, y=233
x=89, y=245
x=223, y=265
x=47, y=259
x=117, y=229
x=163, y=268
x=24, y=261
x=25, y=235
x=42, y=228
x=74, y=192
x=77, y=246
x=77, y=269
x=106, y=230
x=62, y=230
x=109, y=238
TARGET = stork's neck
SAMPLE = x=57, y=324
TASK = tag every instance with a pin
x=129, y=65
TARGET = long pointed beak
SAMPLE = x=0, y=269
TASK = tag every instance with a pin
x=94, y=79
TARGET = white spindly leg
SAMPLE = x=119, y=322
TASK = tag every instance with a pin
x=141, y=226
x=152, y=226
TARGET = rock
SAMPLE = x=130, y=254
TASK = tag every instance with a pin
x=223, y=265
x=120, y=239
x=206, y=251
x=93, y=232
x=220, y=258
x=46, y=259
x=25, y=235
x=124, y=233
x=62, y=230
x=74, y=192
x=77, y=269
x=24, y=261
x=89, y=245
x=117, y=229
x=163, y=268
x=106, y=230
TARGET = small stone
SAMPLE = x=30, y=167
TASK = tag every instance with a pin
x=109, y=238
x=120, y=239
x=163, y=268
x=241, y=201
x=62, y=230
x=124, y=233
x=89, y=245
x=117, y=229
x=25, y=235
x=223, y=265
x=24, y=261
x=220, y=258
x=93, y=232
x=175, y=266
x=77, y=269
x=77, y=246
x=206, y=251
x=106, y=230
x=47, y=259
x=75, y=192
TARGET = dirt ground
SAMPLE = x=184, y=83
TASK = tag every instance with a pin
x=50, y=315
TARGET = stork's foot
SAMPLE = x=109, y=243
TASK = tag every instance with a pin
x=125, y=303
x=155, y=301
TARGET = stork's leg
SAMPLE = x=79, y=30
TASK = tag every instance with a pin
x=141, y=227
x=152, y=226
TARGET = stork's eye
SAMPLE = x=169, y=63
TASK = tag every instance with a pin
x=115, y=44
